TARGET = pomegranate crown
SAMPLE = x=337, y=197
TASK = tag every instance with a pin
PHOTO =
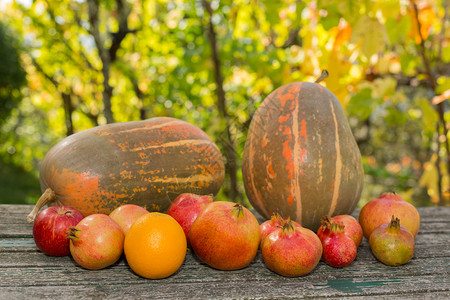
x=326, y=222
x=337, y=227
x=238, y=209
x=276, y=218
x=329, y=225
x=288, y=226
x=394, y=224
x=73, y=233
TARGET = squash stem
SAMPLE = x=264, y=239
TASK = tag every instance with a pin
x=47, y=197
x=322, y=76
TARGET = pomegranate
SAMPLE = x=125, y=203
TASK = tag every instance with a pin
x=392, y=243
x=380, y=210
x=186, y=208
x=96, y=242
x=291, y=250
x=225, y=236
x=126, y=214
x=352, y=228
x=275, y=222
x=50, y=227
x=339, y=250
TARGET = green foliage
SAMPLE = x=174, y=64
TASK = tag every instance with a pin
x=17, y=185
x=12, y=75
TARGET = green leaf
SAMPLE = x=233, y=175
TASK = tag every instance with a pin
x=362, y=104
x=429, y=115
x=443, y=84
x=446, y=54
x=408, y=63
x=396, y=28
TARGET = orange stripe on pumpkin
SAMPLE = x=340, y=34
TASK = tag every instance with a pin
x=251, y=172
x=147, y=128
x=296, y=157
x=173, y=144
x=337, y=177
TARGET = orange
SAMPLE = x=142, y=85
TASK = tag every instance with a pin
x=155, y=246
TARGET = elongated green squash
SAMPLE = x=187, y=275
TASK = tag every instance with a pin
x=301, y=159
x=148, y=163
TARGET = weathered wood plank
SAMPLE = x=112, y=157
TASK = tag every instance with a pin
x=63, y=271
x=235, y=288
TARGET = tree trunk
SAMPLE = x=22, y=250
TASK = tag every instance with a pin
x=68, y=110
x=107, y=92
x=93, y=8
x=108, y=55
x=228, y=143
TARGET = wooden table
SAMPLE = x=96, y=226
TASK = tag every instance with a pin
x=26, y=273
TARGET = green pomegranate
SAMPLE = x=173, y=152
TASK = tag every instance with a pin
x=392, y=244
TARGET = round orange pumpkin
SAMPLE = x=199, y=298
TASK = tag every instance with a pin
x=301, y=159
x=147, y=163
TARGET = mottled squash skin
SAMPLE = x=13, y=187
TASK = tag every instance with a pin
x=148, y=163
x=301, y=159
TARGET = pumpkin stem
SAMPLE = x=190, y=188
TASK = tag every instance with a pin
x=322, y=76
x=47, y=197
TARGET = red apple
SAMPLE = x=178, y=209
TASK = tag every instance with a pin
x=126, y=214
x=185, y=209
x=225, y=236
x=50, y=227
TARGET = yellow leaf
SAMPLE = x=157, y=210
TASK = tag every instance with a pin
x=344, y=33
x=426, y=17
x=429, y=178
x=370, y=34
x=310, y=64
x=338, y=68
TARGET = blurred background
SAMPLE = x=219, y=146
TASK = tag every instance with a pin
x=66, y=66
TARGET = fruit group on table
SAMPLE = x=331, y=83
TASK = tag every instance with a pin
x=155, y=246
x=225, y=236
x=300, y=158
x=186, y=208
x=50, y=227
x=339, y=250
x=380, y=210
x=392, y=243
x=147, y=163
x=96, y=242
x=291, y=250
x=352, y=228
x=125, y=215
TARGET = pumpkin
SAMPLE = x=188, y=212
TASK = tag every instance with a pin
x=147, y=163
x=300, y=158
